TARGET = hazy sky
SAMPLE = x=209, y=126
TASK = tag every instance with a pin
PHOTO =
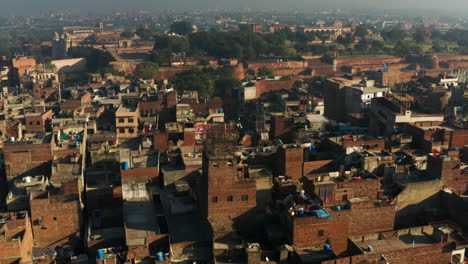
x=27, y=6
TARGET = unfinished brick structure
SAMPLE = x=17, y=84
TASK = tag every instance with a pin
x=230, y=192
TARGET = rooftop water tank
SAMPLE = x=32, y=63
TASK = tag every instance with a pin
x=124, y=165
x=100, y=254
x=160, y=256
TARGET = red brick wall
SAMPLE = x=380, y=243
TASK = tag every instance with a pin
x=223, y=184
x=280, y=126
x=315, y=166
x=359, y=220
x=22, y=159
x=60, y=219
x=24, y=64
x=27, y=241
x=265, y=86
x=160, y=141
x=361, y=188
x=290, y=162
x=151, y=173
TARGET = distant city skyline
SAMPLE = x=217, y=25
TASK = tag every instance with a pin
x=25, y=7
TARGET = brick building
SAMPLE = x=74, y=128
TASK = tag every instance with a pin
x=447, y=166
x=38, y=122
x=56, y=216
x=23, y=64
x=360, y=215
x=17, y=238
x=32, y=156
x=127, y=122
x=230, y=192
x=433, y=244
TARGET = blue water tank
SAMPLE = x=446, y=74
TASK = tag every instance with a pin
x=160, y=256
x=78, y=137
x=322, y=213
x=327, y=247
x=100, y=254
x=221, y=111
x=301, y=212
x=124, y=165
x=338, y=208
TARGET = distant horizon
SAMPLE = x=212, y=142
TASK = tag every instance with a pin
x=33, y=7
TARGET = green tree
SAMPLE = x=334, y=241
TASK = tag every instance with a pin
x=127, y=34
x=146, y=70
x=363, y=45
x=182, y=28
x=362, y=31
x=297, y=84
x=394, y=35
x=145, y=34
x=318, y=49
x=346, y=40
x=421, y=34
x=162, y=57
x=46, y=61
x=224, y=84
x=324, y=38
x=194, y=80
x=175, y=44
x=264, y=71
x=377, y=45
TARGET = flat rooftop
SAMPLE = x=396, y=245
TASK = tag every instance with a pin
x=126, y=109
x=33, y=138
x=139, y=159
x=406, y=238
x=399, y=243
x=140, y=221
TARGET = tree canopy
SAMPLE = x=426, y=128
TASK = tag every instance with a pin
x=182, y=28
x=208, y=82
x=146, y=70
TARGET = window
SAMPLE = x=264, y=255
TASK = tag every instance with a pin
x=214, y=199
x=121, y=120
x=131, y=130
x=30, y=123
x=244, y=197
x=230, y=198
x=122, y=130
x=38, y=123
x=130, y=120
x=55, y=218
x=320, y=233
x=215, y=164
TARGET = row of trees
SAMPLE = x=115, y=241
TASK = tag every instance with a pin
x=207, y=81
